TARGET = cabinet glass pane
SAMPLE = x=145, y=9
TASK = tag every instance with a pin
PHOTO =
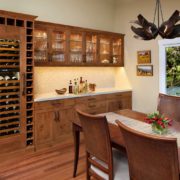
x=9, y=87
x=58, y=46
x=76, y=47
x=116, y=50
x=40, y=45
x=91, y=48
x=105, y=46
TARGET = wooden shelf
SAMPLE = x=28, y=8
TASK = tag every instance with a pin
x=9, y=118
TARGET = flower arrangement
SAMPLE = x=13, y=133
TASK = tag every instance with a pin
x=158, y=122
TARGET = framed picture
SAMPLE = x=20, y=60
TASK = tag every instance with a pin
x=144, y=70
x=144, y=57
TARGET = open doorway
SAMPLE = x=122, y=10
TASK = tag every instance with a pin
x=169, y=66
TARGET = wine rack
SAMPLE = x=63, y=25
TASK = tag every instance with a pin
x=29, y=84
x=9, y=87
x=16, y=79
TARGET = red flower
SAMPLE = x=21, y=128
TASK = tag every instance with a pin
x=158, y=119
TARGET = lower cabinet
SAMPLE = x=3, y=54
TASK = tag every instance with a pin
x=44, y=127
x=62, y=124
x=52, y=126
x=53, y=118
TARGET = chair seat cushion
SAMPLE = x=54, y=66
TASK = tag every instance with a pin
x=120, y=163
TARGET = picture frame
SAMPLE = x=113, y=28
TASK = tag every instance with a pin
x=144, y=70
x=144, y=57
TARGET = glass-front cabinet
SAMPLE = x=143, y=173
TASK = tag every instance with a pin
x=49, y=46
x=60, y=45
x=117, y=51
x=76, y=48
x=40, y=46
x=91, y=48
x=105, y=50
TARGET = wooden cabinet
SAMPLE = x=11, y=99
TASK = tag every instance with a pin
x=53, y=118
x=16, y=82
x=53, y=121
x=44, y=121
x=62, y=124
x=50, y=45
x=119, y=101
x=60, y=45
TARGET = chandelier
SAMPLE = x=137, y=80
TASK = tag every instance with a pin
x=149, y=30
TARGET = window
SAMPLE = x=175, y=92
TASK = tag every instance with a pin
x=169, y=66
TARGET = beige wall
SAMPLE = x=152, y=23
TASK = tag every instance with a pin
x=97, y=14
x=104, y=15
x=48, y=79
x=145, y=89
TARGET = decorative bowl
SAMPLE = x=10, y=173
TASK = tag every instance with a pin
x=61, y=91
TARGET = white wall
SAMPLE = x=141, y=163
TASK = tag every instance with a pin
x=145, y=89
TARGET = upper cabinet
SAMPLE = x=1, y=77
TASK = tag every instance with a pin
x=60, y=45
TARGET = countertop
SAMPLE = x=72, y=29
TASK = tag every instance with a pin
x=55, y=96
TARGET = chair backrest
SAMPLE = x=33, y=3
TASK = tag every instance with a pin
x=169, y=106
x=150, y=157
x=97, y=141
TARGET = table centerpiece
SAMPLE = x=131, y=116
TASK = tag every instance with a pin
x=158, y=122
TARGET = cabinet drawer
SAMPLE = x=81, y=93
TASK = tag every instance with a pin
x=96, y=98
x=90, y=99
x=49, y=104
x=119, y=95
x=98, y=107
x=65, y=103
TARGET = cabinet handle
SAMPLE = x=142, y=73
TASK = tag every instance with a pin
x=59, y=116
x=120, y=95
x=56, y=104
x=24, y=84
x=55, y=116
x=92, y=106
x=91, y=99
x=120, y=105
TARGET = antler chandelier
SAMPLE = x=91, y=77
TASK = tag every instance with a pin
x=168, y=29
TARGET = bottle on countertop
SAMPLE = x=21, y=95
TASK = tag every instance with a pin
x=70, y=87
x=86, y=87
x=81, y=85
x=76, y=89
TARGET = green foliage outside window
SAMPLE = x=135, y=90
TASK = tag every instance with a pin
x=173, y=70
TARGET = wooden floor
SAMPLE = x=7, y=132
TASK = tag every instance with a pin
x=52, y=164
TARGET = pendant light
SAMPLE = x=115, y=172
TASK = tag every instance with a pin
x=149, y=30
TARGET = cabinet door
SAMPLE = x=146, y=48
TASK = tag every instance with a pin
x=76, y=47
x=91, y=48
x=114, y=105
x=117, y=50
x=123, y=103
x=41, y=45
x=58, y=46
x=105, y=50
x=62, y=123
x=43, y=126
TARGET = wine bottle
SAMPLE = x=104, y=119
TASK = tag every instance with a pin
x=70, y=87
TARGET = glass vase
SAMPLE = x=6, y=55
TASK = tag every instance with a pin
x=158, y=129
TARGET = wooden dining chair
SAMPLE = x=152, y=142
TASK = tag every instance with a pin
x=169, y=106
x=150, y=157
x=102, y=162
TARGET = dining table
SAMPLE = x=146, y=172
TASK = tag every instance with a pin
x=133, y=119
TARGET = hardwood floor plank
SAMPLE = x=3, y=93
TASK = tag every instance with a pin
x=55, y=163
